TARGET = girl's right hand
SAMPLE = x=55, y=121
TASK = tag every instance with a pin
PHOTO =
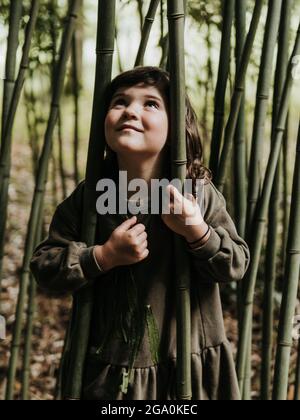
x=127, y=245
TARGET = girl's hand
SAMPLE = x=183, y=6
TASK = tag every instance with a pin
x=127, y=245
x=189, y=223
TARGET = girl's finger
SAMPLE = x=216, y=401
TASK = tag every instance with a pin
x=137, y=229
x=128, y=223
x=176, y=194
x=190, y=197
x=142, y=238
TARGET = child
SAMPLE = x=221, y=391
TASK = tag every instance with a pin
x=132, y=346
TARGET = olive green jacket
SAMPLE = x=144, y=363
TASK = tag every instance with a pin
x=143, y=295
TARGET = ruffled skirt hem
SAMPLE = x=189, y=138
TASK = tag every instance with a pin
x=213, y=378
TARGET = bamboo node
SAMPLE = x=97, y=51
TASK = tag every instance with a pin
x=294, y=251
x=104, y=51
x=175, y=15
x=149, y=19
x=262, y=96
x=285, y=343
x=179, y=162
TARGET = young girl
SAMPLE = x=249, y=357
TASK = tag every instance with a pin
x=132, y=346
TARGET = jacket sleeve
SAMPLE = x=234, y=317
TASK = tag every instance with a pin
x=225, y=256
x=62, y=263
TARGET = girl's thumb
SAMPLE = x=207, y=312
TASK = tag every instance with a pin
x=190, y=197
x=128, y=223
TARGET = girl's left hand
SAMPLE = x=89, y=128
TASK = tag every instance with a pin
x=186, y=223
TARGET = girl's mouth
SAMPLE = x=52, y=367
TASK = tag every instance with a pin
x=129, y=127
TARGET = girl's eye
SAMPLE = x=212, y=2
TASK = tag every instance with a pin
x=152, y=103
x=119, y=101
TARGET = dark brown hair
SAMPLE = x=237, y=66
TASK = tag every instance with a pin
x=154, y=76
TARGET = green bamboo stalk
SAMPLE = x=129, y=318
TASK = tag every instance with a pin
x=140, y=13
x=286, y=191
x=237, y=96
x=223, y=73
x=162, y=20
x=297, y=381
x=240, y=173
x=28, y=339
x=31, y=118
x=53, y=171
x=83, y=300
x=261, y=215
x=262, y=98
x=76, y=92
x=40, y=191
x=31, y=308
x=15, y=14
x=207, y=86
x=240, y=170
x=61, y=163
x=149, y=19
x=5, y=156
x=177, y=78
x=272, y=241
x=165, y=52
x=290, y=290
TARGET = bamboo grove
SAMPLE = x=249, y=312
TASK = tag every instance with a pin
x=251, y=144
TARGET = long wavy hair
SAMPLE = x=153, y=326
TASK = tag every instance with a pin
x=160, y=79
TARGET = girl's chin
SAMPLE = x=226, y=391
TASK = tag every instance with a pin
x=130, y=145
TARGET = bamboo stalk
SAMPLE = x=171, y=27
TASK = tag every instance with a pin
x=290, y=290
x=31, y=121
x=83, y=300
x=240, y=135
x=262, y=98
x=207, y=86
x=15, y=14
x=179, y=160
x=237, y=96
x=5, y=156
x=76, y=92
x=140, y=13
x=272, y=241
x=240, y=172
x=261, y=215
x=39, y=191
x=149, y=19
x=28, y=339
x=286, y=191
x=240, y=162
x=31, y=308
x=61, y=163
x=223, y=73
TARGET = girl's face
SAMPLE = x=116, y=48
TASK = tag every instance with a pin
x=137, y=121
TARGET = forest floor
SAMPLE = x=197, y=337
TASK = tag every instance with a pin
x=52, y=313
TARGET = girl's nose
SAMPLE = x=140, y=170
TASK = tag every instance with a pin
x=131, y=112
